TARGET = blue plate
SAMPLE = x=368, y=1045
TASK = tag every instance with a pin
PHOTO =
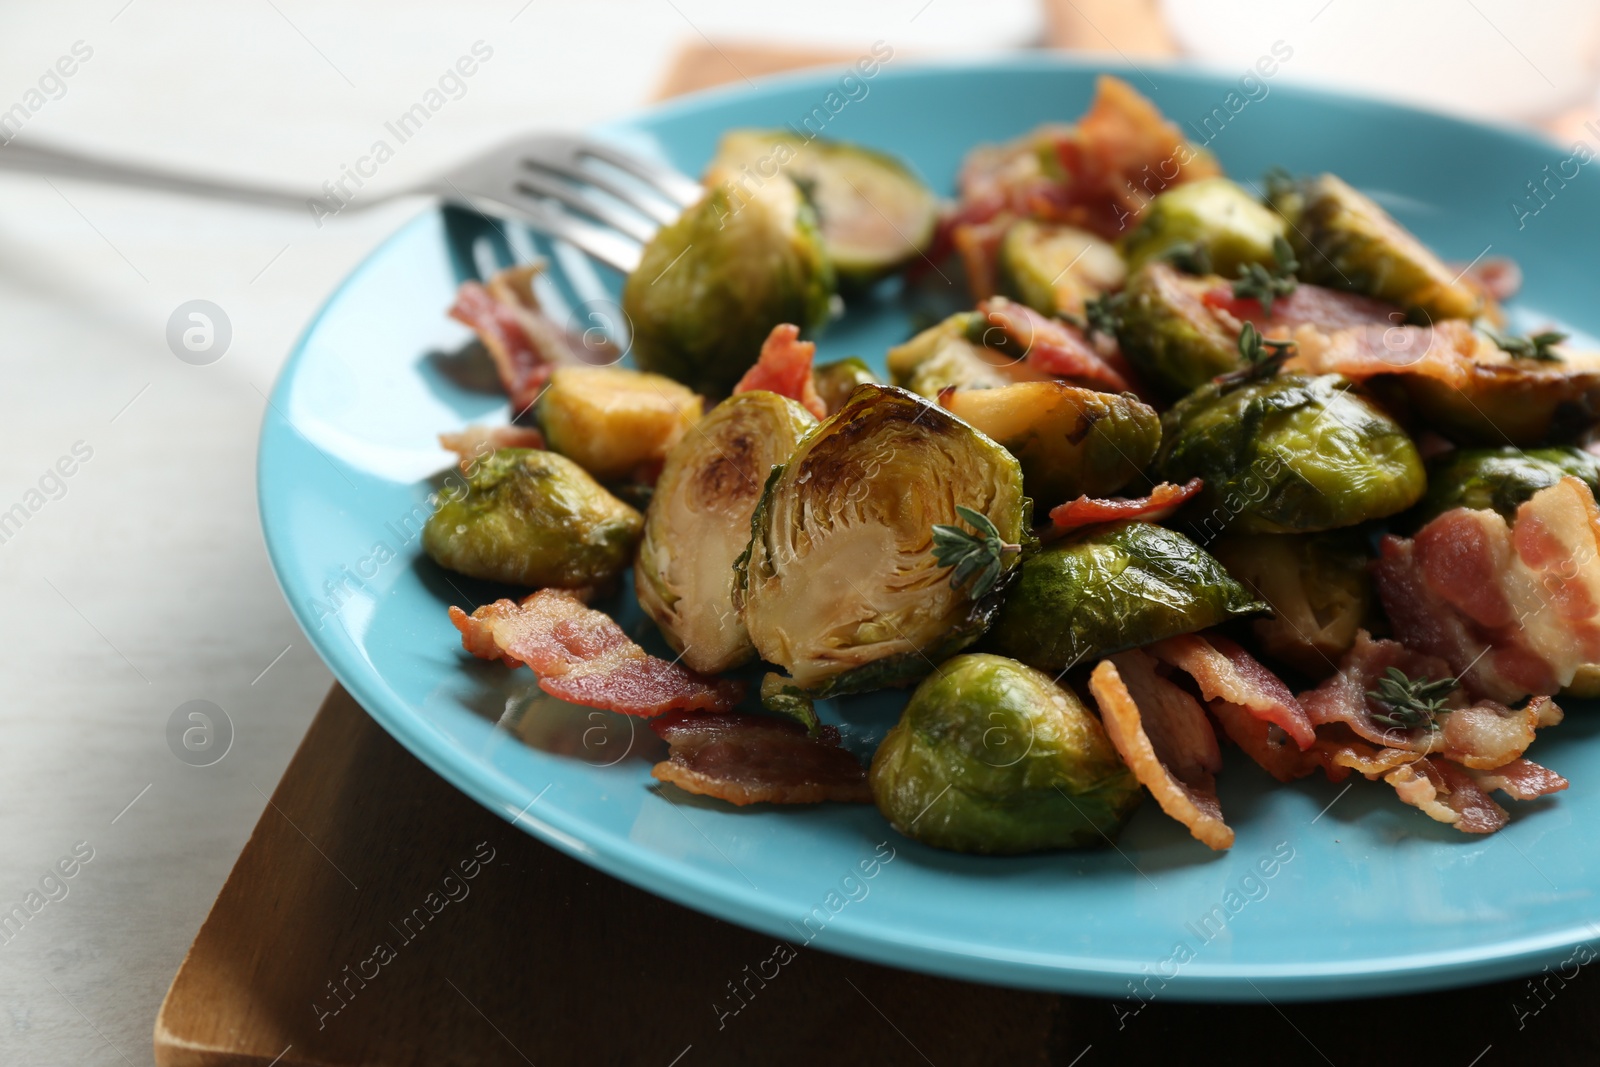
x=1326, y=892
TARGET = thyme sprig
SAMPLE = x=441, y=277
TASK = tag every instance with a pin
x=1269, y=284
x=1539, y=346
x=1409, y=703
x=1101, y=314
x=977, y=556
x=1261, y=358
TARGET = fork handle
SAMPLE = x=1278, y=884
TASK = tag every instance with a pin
x=64, y=163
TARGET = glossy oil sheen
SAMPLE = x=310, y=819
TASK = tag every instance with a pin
x=1374, y=898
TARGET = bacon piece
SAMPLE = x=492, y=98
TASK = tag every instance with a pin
x=475, y=442
x=1053, y=347
x=1163, y=500
x=1226, y=672
x=1447, y=794
x=784, y=367
x=524, y=344
x=1481, y=735
x=1521, y=779
x=1496, y=277
x=1273, y=750
x=1514, y=609
x=1164, y=738
x=1308, y=305
x=747, y=759
x=584, y=657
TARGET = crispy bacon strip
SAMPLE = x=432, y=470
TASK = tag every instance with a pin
x=475, y=442
x=1163, y=500
x=524, y=344
x=1164, y=738
x=1521, y=779
x=1053, y=347
x=784, y=367
x=1224, y=671
x=749, y=759
x=1308, y=305
x=1514, y=608
x=583, y=656
x=1447, y=794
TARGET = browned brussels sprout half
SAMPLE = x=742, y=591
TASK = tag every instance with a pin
x=1317, y=586
x=1214, y=217
x=1112, y=588
x=840, y=585
x=991, y=756
x=1500, y=479
x=1070, y=441
x=533, y=518
x=612, y=420
x=1169, y=334
x=711, y=286
x=699, y=522
x=875, y=214
x=1054, y=269
x=1290, y=454
x=835, y=381
x=951, y=355
x=1346, y=241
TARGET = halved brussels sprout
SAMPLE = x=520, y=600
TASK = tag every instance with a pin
x=611, y=419
x=1317, y=586
x=1346, y=241
x=835, y=381
x=1112, y=588
x=699, y=522
x=1290, y=454
x=991, y=756
x=1070, y=441
x=840, y=585
x=711, y=286
x=1169, y=335
x=1054, y=269
x=533, y=518
x=1499, y=479
x=1215, y=215
x=951, y=354
x=875, y=214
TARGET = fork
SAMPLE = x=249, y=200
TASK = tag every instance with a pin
x=599, y=199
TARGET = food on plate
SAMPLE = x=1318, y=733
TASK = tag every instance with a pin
x=710, y=287
x=1145, y=494
x=992, y=756
x=698, y=523
x=533, y=518
x=876, y=216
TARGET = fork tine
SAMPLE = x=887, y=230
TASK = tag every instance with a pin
x=607, y=246
x=661, y=212
x=677, y=188
x=536, y=184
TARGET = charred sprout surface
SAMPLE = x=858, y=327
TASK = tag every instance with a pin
x=840, y=585
x=1500, y=479
x=837, y=380
x=1410, y=703
x=532, y=518
x=1168, y=333
x=1071, y=441
x=1317, y=586
x=991, y=756
x=699, y=522
x=1057, y=269
x=1112, y=588
x=611, y=420
x=711, y=286
x=875, y=214
x=1290, y=454
x=1212, y=225
x=1346, y=241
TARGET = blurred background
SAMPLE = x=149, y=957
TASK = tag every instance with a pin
x=139, y=582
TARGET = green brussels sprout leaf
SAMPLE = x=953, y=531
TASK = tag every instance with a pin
x=781, y=696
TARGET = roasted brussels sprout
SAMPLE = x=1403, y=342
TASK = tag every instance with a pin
x=610, y=420
x=840, y=585
x=1054, y=269
x=1111, y=588
x=699, y=522
x=1214, y=215
x=1169, y=335
x=1070, y=441
x=835, y=381
x=534, y=518
x=991, y=756
x=1499, y=479
x=1290, y=454
x=1345, y=241
x=1317, y=586
x=711, y=286
x=875, y=214
x=951, y=354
